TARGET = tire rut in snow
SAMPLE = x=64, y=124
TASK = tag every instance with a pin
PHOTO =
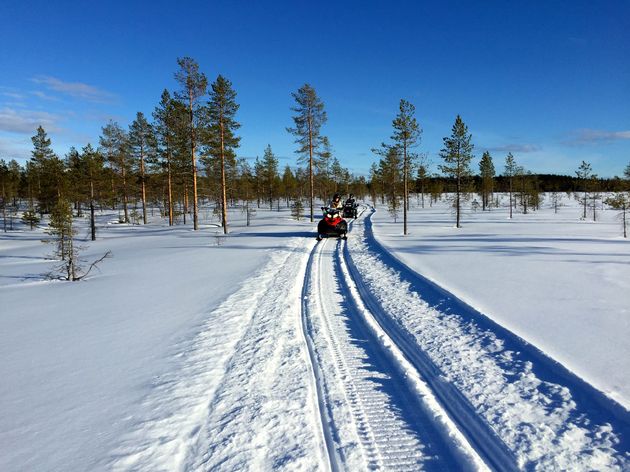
x=549, y=421
x=373, y=419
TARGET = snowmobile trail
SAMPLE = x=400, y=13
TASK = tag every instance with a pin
x=517, y=408
x=240, y=396
x=372, y=417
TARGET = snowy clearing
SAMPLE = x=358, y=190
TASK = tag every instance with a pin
x=265, y=350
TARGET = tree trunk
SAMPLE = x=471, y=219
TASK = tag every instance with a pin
x=310, y=164
x=170, y=187
x=92, y=218
x=194, y=164
x=405, y=189
x=124, y=178
x=223, y=183
x=144, y=191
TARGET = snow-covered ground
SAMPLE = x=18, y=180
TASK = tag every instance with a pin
x=264, y=350
x=558, y=282
x=82, y=363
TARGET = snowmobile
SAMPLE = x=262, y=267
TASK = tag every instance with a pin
x=350, y=210
x=332, y=224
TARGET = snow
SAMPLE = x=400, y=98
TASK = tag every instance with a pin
x=561, y=283
x=262, y=350
x=81, y=361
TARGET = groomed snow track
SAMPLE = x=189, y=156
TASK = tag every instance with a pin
x=376, y=368
x=516, y=408
x=373, y=418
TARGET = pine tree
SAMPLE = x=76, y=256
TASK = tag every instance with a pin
x=50, y=176
x=114, y=145
x=621, y=202
x=93, y=163
x=297, y=208
x=29, y=217
x=62, y=231
x=510, y=172
x=422, y=178
x=310, y=117
x=194, y=85
x=584, y=174
x=270, y=166
x=406, y=136
x=390, y=175
x=486, y=170
x=457, y=154
x=142, y=146
x=165, y=123
x=220, y=138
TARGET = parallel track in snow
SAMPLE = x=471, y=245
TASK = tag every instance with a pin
x=372, y=417
x=516, y=407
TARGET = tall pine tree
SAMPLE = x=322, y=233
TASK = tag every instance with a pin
x=193, y=86
x=487, y=172
x=220, y=138
x=310, y=117
x=406, y=136
x=142, y=145
x=457, y=155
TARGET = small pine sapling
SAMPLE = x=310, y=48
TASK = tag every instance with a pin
x=63, y=233
x=621, y=203
x=29, y=217
x=297, y=209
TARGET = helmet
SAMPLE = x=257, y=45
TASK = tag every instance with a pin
x=351, y=195
x=336, y=196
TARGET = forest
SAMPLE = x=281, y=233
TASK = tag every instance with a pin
x=184, y=156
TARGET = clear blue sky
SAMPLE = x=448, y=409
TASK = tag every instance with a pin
x=547, y=80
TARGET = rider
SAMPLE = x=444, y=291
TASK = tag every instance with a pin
x=350, y=200
x=336, y=202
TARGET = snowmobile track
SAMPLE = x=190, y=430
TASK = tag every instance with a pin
x=371, y=417
x=563, y=402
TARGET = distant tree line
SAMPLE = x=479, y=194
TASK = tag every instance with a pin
x=183, y=157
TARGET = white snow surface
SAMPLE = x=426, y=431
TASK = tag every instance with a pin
x=557, y=281
x=188, y=350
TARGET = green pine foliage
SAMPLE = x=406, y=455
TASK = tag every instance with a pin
x=308, y=119
x=457, y=155
x=621, y=202
x=487, y=173
x=220, y=139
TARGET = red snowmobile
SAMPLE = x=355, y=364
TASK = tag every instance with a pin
x=332, y=224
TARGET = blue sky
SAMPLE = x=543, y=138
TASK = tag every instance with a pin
x=547, y=80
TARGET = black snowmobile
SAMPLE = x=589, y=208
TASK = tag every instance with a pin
x=332, y=224
x=350, y=209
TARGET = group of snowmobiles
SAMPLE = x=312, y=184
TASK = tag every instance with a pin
x=333, y=222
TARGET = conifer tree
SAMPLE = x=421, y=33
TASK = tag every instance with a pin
x=10, y=177
x=63, y=232
x=142, y=146
x=510, y=172
x=422, y=178
x=390, y=175
x=220, y=138
x=310, y=117
x=406, y=136
x=585, y=176
x=93, y=163
x=165, y=123
x=486, y=170
x=621, y=202
x=270, y=166
x=49, y=170
x=114, y=145
x=457, y=154
x=194, y=85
